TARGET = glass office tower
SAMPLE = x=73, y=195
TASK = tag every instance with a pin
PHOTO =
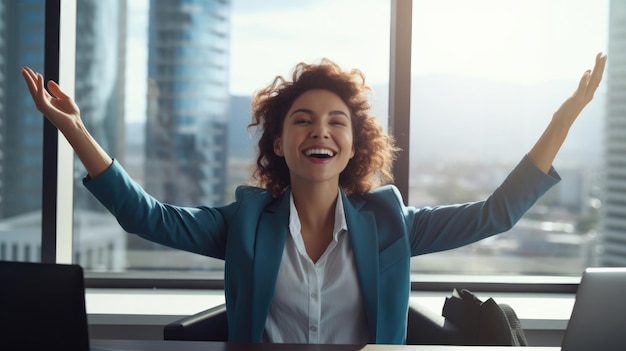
x=100, y=72
x=21, y=128
x=613, y=251
x=188, y=96
x=21, y=125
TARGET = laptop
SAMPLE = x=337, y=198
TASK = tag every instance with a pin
x=42, y=307
x=598, y=319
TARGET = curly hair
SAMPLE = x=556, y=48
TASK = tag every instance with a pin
x=374, y=148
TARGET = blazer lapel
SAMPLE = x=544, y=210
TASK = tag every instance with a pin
x=364, y=241
x=270, y=243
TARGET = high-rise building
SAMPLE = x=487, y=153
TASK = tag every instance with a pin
x=21, y=125
x=613, y=233
x=100, y=81
x=188, y=92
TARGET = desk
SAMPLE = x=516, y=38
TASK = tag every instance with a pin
x=160, y=345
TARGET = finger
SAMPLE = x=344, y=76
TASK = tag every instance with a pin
x=583, y=83
x=42, y=94
x=28, y=73
x=598, y=70
x=595, y=77
x=55, y=89
x=31, y=81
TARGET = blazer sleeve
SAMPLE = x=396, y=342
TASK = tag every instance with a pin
x=200, y=230
x=433, y=229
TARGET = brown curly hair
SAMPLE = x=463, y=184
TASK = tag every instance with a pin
x=374, y=149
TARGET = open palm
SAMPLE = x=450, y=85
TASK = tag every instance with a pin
x=58, y=108
x=571, y=108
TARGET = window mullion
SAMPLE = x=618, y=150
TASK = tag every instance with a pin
x=400, y=89
x=57, y=172
x=65, y=155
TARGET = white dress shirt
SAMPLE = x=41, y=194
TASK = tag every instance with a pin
x=317, y=303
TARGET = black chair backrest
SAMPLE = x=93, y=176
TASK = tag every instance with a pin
x=424, y=327
x=208, y=325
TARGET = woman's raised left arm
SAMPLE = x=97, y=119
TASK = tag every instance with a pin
x=546, y=148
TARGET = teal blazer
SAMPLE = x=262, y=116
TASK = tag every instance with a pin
x=250, y=235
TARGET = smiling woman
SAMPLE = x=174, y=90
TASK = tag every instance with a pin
x=331, y=105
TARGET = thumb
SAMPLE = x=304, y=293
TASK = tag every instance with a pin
x=55, y=89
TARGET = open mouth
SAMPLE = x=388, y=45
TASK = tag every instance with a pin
x=319, y=153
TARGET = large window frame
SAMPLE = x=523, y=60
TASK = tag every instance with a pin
x=58, y=168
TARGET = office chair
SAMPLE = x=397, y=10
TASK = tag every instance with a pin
x=208, y=325
x=424, y=327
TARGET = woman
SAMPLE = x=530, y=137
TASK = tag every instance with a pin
x=319, y=251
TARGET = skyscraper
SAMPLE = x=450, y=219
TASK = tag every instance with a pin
x=188, y=99
x=21, y=125
x=614, y=207
x=100, y=81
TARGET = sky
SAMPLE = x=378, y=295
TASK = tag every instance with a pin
x=519, y=41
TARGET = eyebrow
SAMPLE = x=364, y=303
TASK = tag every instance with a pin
x=310, y=112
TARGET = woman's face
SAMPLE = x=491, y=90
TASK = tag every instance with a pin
x=317, y=140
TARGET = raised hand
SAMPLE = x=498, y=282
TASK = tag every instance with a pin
x=545, y=150
x=58, y=108
x=63, y=112
x=589, y=82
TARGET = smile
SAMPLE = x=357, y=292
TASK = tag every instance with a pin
x=319, y=153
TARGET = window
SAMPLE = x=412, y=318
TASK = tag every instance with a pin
x=486, y=78
x=473, y=61
x=187, y=101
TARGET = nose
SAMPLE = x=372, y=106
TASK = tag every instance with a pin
x=319, y=131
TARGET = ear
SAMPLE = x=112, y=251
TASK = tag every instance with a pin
x=278, y=147
x=352, y=152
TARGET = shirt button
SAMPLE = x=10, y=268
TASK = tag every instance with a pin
x=314, y=295
x=313, y=328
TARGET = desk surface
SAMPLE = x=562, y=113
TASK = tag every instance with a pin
x=160, y=345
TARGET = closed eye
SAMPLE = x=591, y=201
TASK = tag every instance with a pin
x=339, y=118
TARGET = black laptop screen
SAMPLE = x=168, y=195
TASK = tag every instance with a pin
x=43, y=306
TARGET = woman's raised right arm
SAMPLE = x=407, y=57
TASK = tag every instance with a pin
x=62, y=111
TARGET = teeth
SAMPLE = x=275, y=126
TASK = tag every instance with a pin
x=319, y=152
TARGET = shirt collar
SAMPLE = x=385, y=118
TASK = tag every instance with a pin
x=340, y=218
